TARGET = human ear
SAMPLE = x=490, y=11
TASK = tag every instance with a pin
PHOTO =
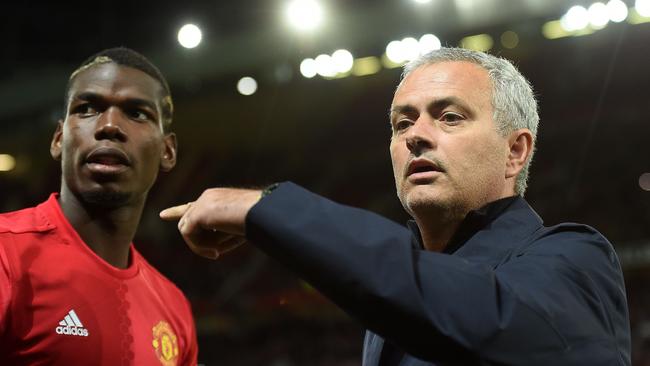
x=521, y=147
x=55, y=145
x=168, y=152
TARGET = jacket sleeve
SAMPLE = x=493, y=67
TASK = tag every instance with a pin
x=541, y=307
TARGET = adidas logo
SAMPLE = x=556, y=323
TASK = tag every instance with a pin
x=71, y=325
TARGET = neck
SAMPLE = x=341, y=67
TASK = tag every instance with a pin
x=438, y=225
x=436, y=234
x=108, y=231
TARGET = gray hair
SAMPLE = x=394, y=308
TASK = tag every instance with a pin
x=513, y=99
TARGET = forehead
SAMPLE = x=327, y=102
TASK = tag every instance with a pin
x=111, y=79
x=460, y=79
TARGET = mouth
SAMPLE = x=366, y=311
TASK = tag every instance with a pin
x=107, y=160
x=419, y=169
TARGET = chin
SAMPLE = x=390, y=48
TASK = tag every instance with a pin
x=420, y=200
x=427, y=203
x=108, y=198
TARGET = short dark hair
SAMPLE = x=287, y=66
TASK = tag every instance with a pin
x=127, y=57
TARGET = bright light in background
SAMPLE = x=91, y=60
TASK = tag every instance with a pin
x=642, y=7
x=617, y=11
x=479, y=42
x=422, y=1
x=394, y=52
x=411, y=48
x=554, y=30
x=247, y=85
x=644, y=181
x=7, y=162
x=308, y=68
x=325, y=66
x=366, y=66
x=189, y=36
x=305, y=14
x=428, y=43
x=342, y=61
x=598, y=15
x=576, y=18
x=509, y=39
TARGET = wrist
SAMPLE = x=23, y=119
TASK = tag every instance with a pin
x=269, y=189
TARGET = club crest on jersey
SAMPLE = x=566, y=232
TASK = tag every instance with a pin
x=165, y=344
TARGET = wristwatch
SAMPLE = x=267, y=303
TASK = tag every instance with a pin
x=266, y=191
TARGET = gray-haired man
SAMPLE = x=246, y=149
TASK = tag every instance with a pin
x=478, y=279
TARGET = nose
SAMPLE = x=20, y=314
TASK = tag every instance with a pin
x=420, y=137
x=109, y=125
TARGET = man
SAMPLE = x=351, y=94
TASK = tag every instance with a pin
x=477, y=280
x=73, y=289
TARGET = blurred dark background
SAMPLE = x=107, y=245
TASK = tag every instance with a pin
x=331, y=134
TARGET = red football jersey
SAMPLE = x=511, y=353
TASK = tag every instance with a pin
x=61, y=304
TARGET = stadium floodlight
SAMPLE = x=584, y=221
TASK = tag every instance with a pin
x=642, y=7
x=308, y=68
x=428, y=43
x=577, y=18
x=394, y=52
x=342, y=61
x=7, y=162
x=617, y=11
x=189, y=36
x=247, y=86
x=410, y=48
x=305, y=14
x=598, y=15
x=325, y=66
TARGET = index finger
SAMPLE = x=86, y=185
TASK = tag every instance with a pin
x=174, y=213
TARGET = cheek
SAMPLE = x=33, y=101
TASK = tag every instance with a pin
x=71, y=140
x=474, y=159
x=485, y=163
x=397, y=158
x=150, y=151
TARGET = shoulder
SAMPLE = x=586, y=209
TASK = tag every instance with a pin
x=576, y=243
x=31, y=219
x=20, y=232
x=572, y=233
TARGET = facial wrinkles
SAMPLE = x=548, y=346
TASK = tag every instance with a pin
x=475, y=90
x=464, y=159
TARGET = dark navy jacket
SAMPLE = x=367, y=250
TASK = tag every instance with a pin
x=509, y=291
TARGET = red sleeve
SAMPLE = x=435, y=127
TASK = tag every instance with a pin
x=5, y=288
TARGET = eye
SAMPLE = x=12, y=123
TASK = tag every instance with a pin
x=139, y=114
x=402, y=125
x=84, y=110
x=452, y=118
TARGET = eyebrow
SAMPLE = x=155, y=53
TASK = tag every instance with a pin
x=435, y=105
x=131, y=102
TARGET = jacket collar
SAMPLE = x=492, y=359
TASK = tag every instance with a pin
x=491, y=232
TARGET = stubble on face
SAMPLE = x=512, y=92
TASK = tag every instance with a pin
x=470, y=152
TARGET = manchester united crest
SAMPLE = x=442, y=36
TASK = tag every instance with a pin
x=165, y=344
